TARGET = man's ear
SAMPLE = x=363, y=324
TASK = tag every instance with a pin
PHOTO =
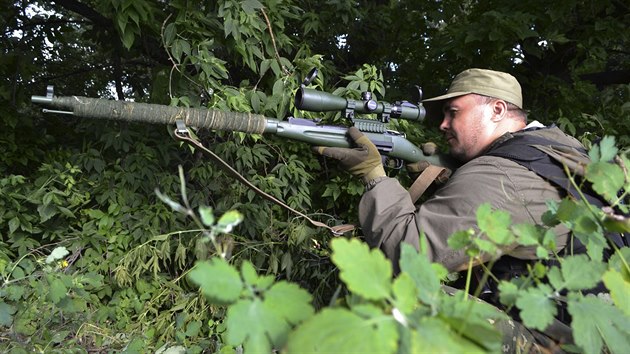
x=499, y=110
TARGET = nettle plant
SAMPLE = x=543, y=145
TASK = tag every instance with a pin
x=411, y=312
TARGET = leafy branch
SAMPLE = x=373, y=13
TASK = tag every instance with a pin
x=204, y=218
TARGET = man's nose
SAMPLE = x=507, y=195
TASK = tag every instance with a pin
x=445, y=125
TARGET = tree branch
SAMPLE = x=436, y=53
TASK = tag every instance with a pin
x=606, y=78
x=81, y=9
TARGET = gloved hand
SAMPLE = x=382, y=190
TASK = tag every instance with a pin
x=416, y=168
x=363, y=161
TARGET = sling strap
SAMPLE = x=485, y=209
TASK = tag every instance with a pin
x=420, y=185
x=547, y=158
x=182, y=133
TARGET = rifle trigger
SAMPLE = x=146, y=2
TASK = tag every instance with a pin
x=181, y=127
x=392, y=163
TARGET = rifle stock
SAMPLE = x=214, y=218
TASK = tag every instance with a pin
x=390, y=144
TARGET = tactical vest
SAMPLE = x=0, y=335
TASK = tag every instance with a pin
x=536, y=153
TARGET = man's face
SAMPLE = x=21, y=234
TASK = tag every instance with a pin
x=467, y=126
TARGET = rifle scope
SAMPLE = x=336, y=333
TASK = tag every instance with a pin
x=318, y=101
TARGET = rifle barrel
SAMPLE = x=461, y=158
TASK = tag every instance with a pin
x=156, y=114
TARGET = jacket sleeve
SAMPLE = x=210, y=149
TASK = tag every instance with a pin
x=388, y=217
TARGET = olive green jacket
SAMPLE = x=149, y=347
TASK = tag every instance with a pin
x=388, y=216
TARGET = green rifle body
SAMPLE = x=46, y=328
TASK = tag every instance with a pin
x=390, y=144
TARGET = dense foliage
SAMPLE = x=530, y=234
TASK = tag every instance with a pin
x=102, y=223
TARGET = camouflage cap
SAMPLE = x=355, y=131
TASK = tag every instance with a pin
x=483, y=82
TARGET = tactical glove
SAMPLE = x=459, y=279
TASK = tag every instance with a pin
x=363, y=161
x=416, y=168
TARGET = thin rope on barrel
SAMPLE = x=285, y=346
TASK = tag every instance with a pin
x=160, y=114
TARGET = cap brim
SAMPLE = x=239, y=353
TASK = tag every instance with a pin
x=433, y=105
x=446, y=96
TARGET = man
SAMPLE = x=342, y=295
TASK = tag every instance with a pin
x=481, y=110
x=482, y=114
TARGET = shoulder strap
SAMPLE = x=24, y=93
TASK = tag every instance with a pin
x=420, y=185
x=534, y=153
x=546, y=157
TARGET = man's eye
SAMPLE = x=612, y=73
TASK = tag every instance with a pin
x=451, y=112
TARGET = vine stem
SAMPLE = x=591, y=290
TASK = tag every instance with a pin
x=468, y=278
x=273, y=41
x=172, y=60
x=591, y=209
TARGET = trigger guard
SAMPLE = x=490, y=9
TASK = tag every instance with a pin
x=392, y=163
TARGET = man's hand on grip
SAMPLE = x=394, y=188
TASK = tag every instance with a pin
x=416, y=168
x=363, y=161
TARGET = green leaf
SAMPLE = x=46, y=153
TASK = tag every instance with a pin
x=619, y=290
x=56, y=254
x=496, y=224
x=483, y=245
x=128, y=38
x=278, y=86
x=122, y=20
x=528, y=234
x=58, y=290
x=289, y=301
x=508, y=293
x=608, y=148
x=14, y=223
x=169, y=33
x=337, y=330
x=46, y=211
x=218, y=280
x=537, y=308
x=207, y=215
x=244, y=319
x=473, y=319
x=249, y=273
x=264, y=66
x=578, y=273
x=367, y=310
x=284, y=304
x=250, y=6
x=567, y=210
x=607, y=178
x=596, y=323
x=617, y=223
x=405, y=291
x=434, y=336
x=6, y=314
x=555, y=278
x=229, y=220
x=461, y=239
x=366, y=273
x=421, y=272
x=595, y=243
x=192, y=329
x=619, y=262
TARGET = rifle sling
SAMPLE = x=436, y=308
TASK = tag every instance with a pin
x=183, y=135
x=423, y=181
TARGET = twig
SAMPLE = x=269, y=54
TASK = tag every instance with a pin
x=273, y=41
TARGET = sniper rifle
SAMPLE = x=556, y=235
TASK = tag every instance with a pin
x=391, y=144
